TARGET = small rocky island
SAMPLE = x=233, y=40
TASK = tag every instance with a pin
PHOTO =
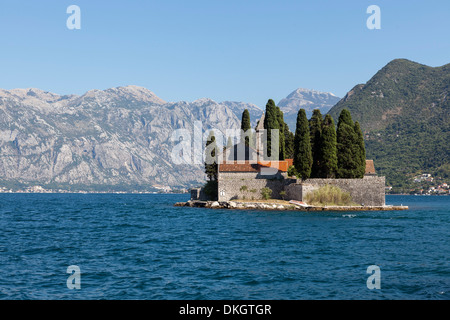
x=320, y=169
x=280, y=206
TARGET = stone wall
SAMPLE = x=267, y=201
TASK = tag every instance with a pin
x=248, y=185
x=293, y=191
x=369, y=191
x=199, y=194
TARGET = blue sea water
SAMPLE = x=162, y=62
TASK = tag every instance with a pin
x=141, y=247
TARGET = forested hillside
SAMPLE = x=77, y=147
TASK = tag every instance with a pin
x=404, y=111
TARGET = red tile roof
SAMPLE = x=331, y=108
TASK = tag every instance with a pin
x=255, y=167
x=239, y=167
x=282, y=166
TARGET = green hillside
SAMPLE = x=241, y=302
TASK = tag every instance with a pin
x=404, y=113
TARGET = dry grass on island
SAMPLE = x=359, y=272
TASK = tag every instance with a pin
x=329, y=195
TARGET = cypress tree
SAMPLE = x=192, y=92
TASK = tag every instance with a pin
x=315, y=131
x=360, y=151
x=245, y=125
x=270, y=123
x=289, y=142
x=345, y=117
x=302, y=146
x=211, y=169
x=281, y=125
x=346, y=146
x=327, y=150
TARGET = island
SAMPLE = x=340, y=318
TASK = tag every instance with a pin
x=242, y=177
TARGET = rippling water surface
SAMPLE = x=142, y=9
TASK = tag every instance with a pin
x=141, y=247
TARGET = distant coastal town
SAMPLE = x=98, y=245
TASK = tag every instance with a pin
x=425, y=184
x=40, y=189
x=440, y=189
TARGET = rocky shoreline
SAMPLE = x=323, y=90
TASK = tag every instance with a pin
x=279, y=206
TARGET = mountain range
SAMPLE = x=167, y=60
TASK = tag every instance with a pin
x=114, y=139
x=120, y=138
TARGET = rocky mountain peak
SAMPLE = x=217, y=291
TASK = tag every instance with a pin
x=134, y=94
x=203, y=101
x=307, y=99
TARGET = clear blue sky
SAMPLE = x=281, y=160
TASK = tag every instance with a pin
x=245, y=50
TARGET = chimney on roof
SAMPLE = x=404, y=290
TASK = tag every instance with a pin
x=370, y=168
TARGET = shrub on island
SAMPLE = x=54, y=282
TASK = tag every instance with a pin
x=329, y=195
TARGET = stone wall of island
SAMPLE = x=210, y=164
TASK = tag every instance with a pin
x=368, y=191
x=248, y=185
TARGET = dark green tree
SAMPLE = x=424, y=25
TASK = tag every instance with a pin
x=345, y=117
x=289, y=143
x=327, y=151
x=346, y=146
x=211, y=167
x=315, y=131
x=270, y=123
x=302, y=146
x=360, y=151
x=245, y=125
x=281, y=125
